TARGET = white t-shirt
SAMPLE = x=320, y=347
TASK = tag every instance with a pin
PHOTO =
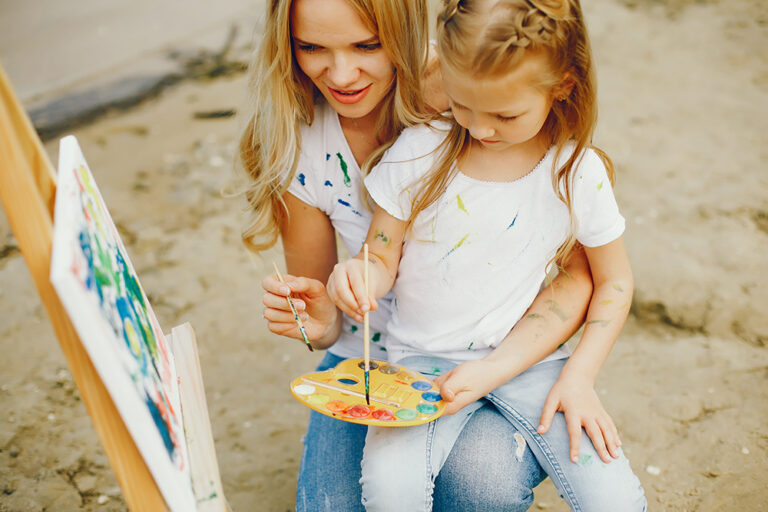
x=476, y=258
x=328, y=178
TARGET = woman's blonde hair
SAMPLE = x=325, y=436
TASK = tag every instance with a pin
x=488, y=39
x=283, y=97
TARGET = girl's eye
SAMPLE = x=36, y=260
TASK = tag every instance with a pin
x=369, y=47
x=506, y=119
x=308, y=48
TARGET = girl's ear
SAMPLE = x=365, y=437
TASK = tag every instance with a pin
x=564, y=88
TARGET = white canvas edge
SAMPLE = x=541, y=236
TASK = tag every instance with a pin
x=174, y=484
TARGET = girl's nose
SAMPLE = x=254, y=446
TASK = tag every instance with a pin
x=343, y=71
x=479, y=130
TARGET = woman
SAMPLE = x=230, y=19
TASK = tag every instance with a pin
x=335, y=82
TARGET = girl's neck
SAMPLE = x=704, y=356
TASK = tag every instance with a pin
x=361, y=135
x=508, y=164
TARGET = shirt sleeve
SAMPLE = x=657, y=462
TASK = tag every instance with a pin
x=395, y=178
x=598, y=220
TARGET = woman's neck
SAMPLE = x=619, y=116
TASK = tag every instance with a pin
x=361, y=135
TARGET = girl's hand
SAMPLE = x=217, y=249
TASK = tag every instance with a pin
x=575, y=397
x=346, y=287
x=466, y=383
x=313, y=305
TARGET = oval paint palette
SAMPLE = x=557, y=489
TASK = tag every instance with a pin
x=399, y=397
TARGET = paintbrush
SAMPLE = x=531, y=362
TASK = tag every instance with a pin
x=366, y=338
x=293, y=310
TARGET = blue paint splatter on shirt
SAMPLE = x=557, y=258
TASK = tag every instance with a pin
x=328, y=183
x=343, y=202
x=327, y=156
x=513, y=220
x=302, y=179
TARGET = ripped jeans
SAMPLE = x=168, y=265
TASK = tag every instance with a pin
x=400, y=464
x=477, y=476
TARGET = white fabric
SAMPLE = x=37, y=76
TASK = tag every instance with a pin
x=476, y=258
x=328, y=178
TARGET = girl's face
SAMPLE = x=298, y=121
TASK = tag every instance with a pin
x=501, y=112
x=341, y=56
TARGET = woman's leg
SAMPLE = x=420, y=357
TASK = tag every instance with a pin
x=491, y=468
x=329, y=475
x=590, y=484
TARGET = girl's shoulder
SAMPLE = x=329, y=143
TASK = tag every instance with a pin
x=420, y=140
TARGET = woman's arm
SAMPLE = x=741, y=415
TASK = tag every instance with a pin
x=309, y=245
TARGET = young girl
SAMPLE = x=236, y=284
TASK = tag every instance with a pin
x=471, y=214
x=333, y=81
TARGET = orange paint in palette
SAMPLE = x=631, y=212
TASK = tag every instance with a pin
x=399, y=397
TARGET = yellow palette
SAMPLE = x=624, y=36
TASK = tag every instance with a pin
x=399, y=397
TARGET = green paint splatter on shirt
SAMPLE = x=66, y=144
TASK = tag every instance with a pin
x=470, y=345
x=344, y=169
x=376, y=337
x=353, y=328
x=461, y=204
x=599, y=185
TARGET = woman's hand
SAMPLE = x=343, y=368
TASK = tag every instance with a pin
x=313, y=305
x=346, y=287
x=575, y=397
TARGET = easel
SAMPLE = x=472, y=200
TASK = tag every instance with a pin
x=28, y=191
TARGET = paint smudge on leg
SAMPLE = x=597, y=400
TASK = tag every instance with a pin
x=461, y=204
x=585, y=460
x=520, y=450
x=344, y=169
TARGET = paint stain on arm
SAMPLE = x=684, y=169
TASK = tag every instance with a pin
x=553, y=307
x=602, y=323
x=344, y=169
x=384, y=238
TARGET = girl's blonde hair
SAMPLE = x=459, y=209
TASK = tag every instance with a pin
x=488, y=39
x=283, y=97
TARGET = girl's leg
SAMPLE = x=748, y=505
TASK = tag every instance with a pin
x=589, y=485
x=489, y=469
x=400, y=464
x=329, y=475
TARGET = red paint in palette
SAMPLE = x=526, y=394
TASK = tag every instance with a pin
x=359, y=411
x=383, y=415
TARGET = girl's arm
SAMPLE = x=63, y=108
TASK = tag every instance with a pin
x=309, y=244
x=574, y=393
x=346, y=286
x=556, y=313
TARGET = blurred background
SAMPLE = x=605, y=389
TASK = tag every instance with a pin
x=154, y=92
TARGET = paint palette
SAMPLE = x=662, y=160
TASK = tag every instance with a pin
x=399, y=397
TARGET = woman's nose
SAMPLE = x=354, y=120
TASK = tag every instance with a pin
x=343, y=71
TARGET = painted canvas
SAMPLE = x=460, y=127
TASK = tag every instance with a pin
x=100, y=290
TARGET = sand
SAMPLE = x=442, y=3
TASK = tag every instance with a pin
x=683, y=104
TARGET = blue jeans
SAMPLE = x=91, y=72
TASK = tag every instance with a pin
x=400, y=464
x=478, y=475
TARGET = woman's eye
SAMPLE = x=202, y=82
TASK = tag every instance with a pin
x=369, y=47
x=308, y=48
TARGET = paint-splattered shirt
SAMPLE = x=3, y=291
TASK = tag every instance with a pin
x=328, y=178
x=475, y=259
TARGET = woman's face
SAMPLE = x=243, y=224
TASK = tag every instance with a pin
x=341, y=56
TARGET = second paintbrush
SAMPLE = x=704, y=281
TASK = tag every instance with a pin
x=293, y=310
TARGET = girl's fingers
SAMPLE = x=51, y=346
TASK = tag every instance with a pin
x=547, y=415
x=611, y=437
x=357, y=284
x=598, y=441
x=573, y=424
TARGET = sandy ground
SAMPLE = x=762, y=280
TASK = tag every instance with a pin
x=684, y=102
